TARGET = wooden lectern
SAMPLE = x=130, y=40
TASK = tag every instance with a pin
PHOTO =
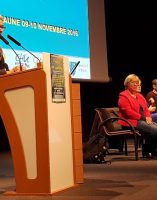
x=43, y=129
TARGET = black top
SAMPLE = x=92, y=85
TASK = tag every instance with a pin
x=3, y=66
x=151, y=94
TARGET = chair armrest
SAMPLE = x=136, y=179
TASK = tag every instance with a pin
x=116, y=119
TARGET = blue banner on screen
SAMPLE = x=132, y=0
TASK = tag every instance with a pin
x=54, y=26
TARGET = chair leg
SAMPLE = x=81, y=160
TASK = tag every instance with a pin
x=125, y=146
x=136, y=147
x=140, y=142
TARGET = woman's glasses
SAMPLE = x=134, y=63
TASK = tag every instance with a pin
x=135, y=83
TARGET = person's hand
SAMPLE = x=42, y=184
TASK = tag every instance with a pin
x=15, y=69
x=18, y=69
x=151, y=100
x=149, y=120
x=152, y=108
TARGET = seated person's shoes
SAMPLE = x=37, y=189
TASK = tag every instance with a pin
x=146, y=153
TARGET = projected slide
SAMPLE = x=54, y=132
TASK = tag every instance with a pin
x=54, y=26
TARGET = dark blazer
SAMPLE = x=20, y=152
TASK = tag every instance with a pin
x=3, y=66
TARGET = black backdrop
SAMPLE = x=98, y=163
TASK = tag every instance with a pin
x=131, y=30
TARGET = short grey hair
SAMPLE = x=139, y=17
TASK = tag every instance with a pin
x=130, y=78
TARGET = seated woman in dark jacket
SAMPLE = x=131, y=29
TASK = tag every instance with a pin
x=151, y=98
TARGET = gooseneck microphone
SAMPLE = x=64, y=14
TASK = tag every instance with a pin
x=7, y=43
x=4, y=40
x=19, y=44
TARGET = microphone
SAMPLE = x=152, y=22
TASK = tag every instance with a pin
x=19, y=44
x=76, y=65
x=4, y=40
x=7, y=43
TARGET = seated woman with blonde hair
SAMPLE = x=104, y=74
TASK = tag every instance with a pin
x=133, y=107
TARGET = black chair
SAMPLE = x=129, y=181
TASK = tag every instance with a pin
x=105, y=122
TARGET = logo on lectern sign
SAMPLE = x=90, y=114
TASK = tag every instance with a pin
x=57, y=79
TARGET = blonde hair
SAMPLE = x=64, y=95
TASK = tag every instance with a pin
x=129, y=78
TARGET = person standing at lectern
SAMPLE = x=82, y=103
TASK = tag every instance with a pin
x=3, y=66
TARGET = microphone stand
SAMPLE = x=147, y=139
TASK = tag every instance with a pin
x=19, y=44
x=7, y=43
x=17, y=57
x=30, y=53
